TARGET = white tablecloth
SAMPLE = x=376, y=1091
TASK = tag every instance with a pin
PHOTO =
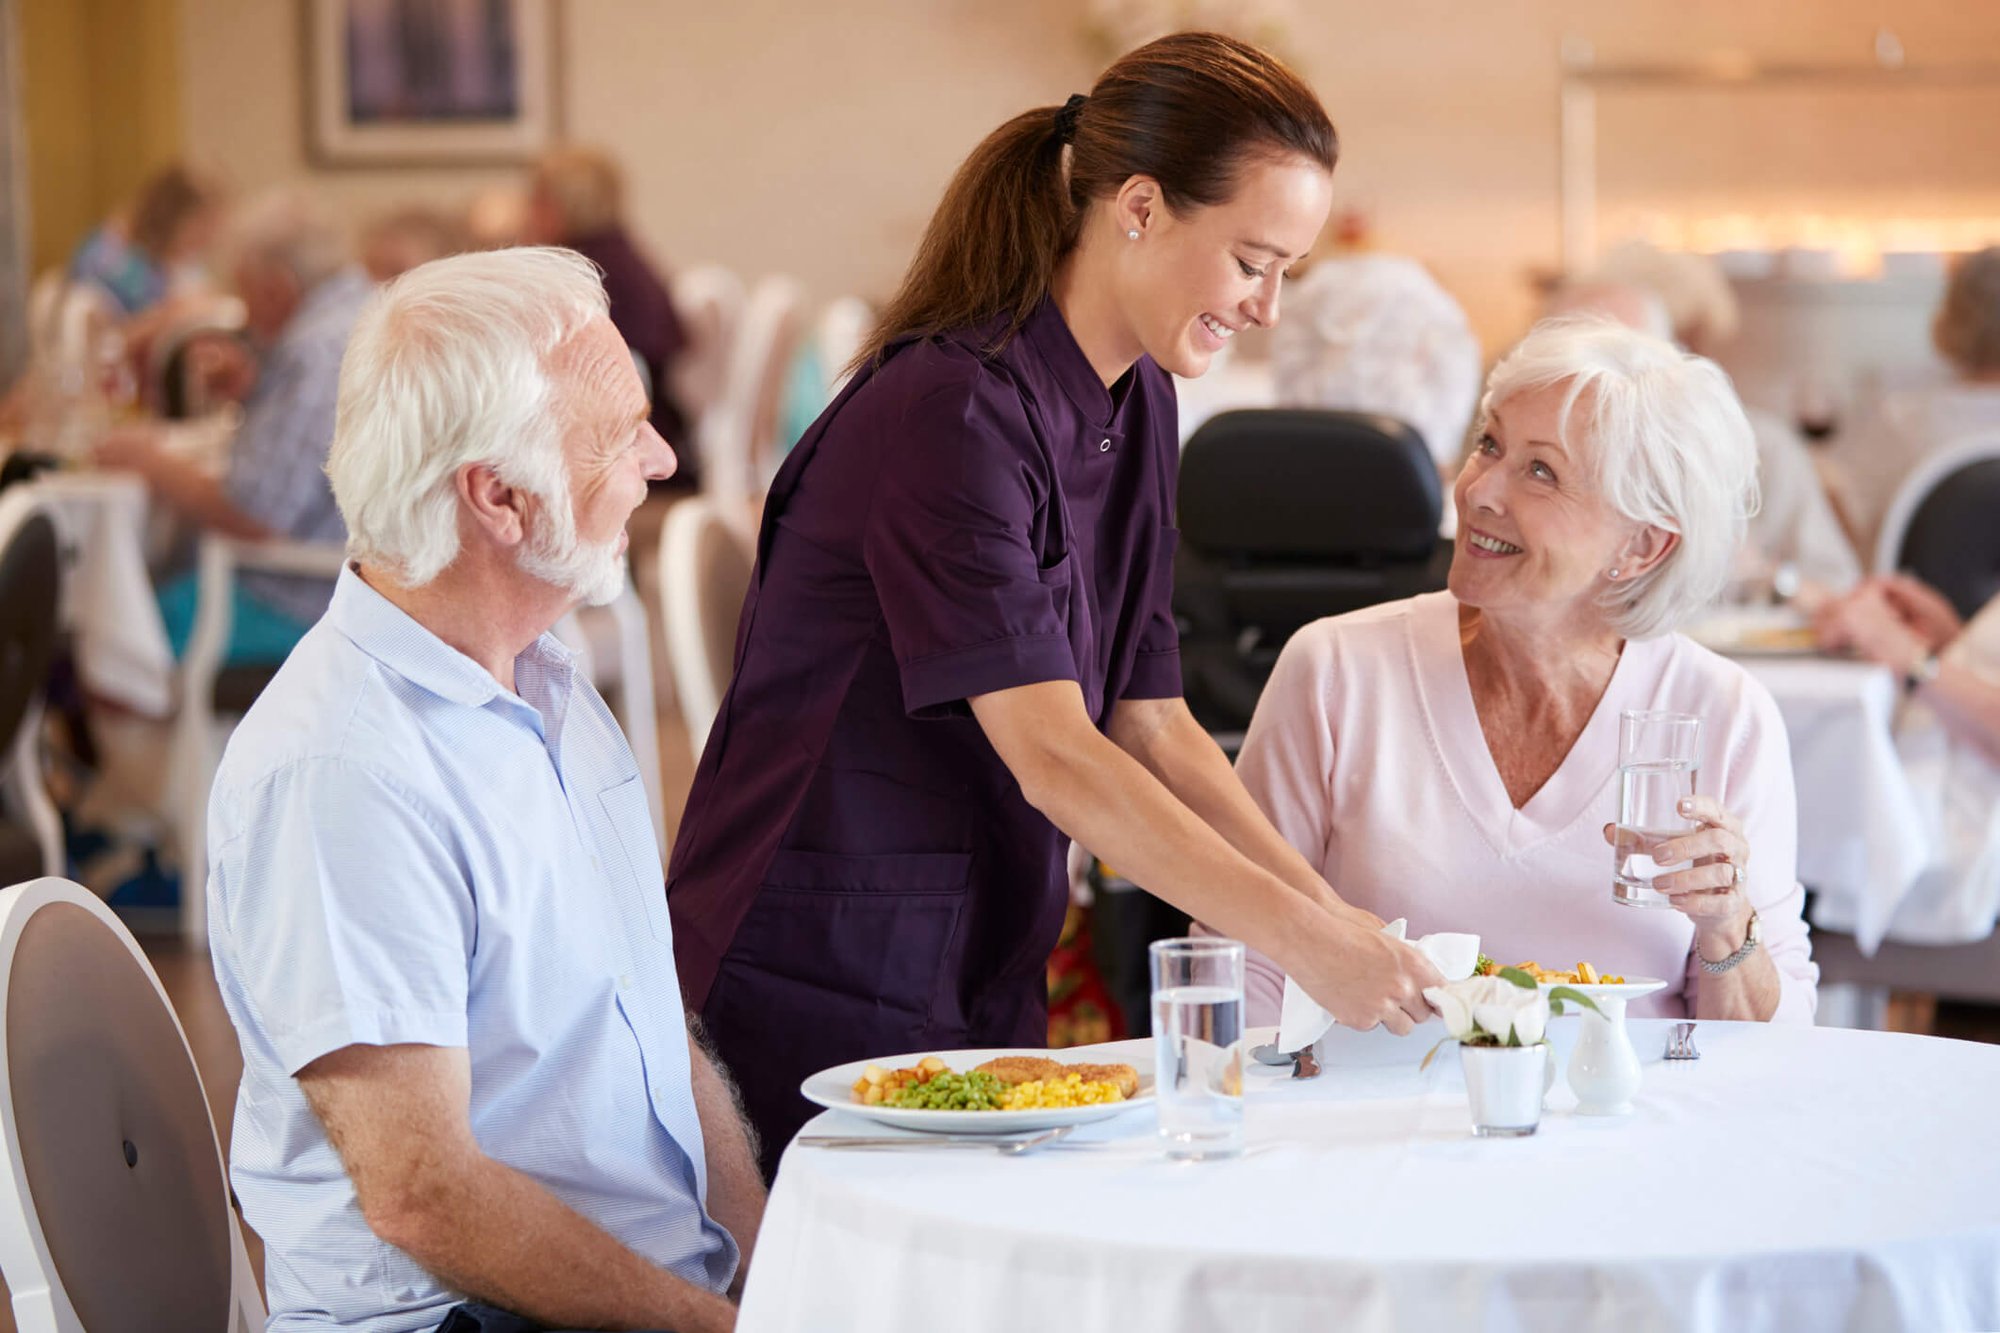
x=121, y=642
x=1793, y=1178
x=1863, y=837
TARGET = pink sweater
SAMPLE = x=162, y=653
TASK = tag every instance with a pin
x=1366, y=752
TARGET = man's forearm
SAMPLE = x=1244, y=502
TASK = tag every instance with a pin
x=201, y=499
x=501, y=1238
x=735, y=1185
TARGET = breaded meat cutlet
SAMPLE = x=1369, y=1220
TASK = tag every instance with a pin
x=1012, y=1069
x=1126, y=1077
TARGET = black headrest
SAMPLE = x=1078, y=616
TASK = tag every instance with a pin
x=1295, y=483
x=1953, y=541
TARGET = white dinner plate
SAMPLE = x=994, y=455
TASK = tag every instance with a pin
x=834, y=1089
x=1633, y=988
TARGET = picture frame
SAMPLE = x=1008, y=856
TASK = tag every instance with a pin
x=429, y=82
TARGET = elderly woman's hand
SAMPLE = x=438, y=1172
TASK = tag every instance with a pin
x=1709, y=892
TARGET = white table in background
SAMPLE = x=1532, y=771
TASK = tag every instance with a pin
x=1793, y=1178
x=121, y=642
x=1863, y=839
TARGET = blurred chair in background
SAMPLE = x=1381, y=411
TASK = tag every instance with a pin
x=1286, y=516
x=30, y=582
x=705, y=568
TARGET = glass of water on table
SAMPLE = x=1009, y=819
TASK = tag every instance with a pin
x=1658, y=760
x=1198, y=1045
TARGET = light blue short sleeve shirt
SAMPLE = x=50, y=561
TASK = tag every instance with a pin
x=403, y=851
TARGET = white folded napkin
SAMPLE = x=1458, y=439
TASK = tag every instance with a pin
x=1302, y=1022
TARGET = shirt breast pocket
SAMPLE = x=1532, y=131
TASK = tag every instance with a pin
x=631, y=823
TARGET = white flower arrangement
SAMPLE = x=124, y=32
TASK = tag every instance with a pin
x=1505, y=1009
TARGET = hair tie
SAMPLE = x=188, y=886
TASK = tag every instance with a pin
x=1067, y=117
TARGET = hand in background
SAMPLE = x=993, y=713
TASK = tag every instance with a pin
x=1867, y=623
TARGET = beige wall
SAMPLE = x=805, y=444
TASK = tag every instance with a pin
x=101, y=103
x=778, y=135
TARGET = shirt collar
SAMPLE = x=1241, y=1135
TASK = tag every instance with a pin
x=1048, y=333
x=388, y=634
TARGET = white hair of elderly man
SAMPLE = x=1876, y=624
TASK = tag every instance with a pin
x=449, y=366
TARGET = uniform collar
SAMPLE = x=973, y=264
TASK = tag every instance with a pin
x=1048, y=334
x=387, y=633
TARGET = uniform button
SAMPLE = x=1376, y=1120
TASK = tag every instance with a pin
x=1104, y=446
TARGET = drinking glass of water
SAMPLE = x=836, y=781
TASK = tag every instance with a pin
x=1657, y=764
x=1198, y=1045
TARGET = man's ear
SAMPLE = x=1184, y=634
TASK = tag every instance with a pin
x=491, y=506
x=1647, y=548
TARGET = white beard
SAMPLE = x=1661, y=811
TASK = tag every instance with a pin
x=592, y=572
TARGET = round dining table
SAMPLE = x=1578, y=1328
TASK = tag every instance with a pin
x=1790, y=1178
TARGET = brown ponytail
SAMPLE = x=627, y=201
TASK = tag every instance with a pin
x=1190, y=111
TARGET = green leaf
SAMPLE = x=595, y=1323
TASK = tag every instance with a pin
x=1561, y=993
x=1518, y=977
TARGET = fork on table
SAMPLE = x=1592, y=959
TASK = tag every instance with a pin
x=1680, y=1045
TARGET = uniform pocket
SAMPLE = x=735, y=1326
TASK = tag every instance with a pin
x=632, y=824
x=868, y=937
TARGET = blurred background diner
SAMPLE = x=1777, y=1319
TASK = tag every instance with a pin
x=197, y=195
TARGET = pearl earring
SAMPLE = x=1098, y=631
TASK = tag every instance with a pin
x=1614, y=573
x=1131, y=235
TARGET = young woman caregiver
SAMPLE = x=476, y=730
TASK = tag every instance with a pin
x=959, y=653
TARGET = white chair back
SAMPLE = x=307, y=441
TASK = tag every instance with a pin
x=843, y=326
x=705, y=570
x=740, y=454
x=1917, y=487
x=709, y=301
x=114, y=1203
x=196, y=746
x=614, y=649
x=44, y=301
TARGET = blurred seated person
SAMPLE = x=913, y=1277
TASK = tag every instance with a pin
x=141, y=255
x=397, y=242
x=1685, y=298
x=1452, y=758
x=1376, y=333
x=1877, y=453
x=1948, y=734
x=496, y=217
x=577, y=199
x=301, y=296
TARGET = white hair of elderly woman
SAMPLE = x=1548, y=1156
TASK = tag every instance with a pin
x=447, y=366
x=1669, y=445
x=1375, y=333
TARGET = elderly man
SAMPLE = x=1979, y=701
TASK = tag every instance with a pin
x=470, y=1097
x=577, y=198
x=301, y=297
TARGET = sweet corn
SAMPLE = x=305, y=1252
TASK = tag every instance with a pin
x=1038, y=1094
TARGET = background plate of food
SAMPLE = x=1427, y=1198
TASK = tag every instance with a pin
x=980, y=1092
x=1591, y=980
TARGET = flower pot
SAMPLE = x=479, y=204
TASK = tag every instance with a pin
x=1604, y=1069
x=1504, y=1085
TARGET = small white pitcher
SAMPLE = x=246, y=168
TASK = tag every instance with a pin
x=1604, y=1069
x=1504, y=1085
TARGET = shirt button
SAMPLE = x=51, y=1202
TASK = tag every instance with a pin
x=1104, y=446
x=624, y=981
x=594, y=865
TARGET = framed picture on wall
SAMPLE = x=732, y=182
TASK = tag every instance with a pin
x=429, y=82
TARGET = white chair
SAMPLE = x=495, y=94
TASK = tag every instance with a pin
x=214, y=696
x=114, y=1205
x=709, y=301
x=31, y=570
x=842, y=327
x=624, y=666
x=705, y=570
x=44, y=300
x=740, y=454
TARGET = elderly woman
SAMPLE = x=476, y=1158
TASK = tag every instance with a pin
x=1452, y=758
x=1877, y=454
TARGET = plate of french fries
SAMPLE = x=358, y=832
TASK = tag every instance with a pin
x=981, y=1091
x=1584, y=976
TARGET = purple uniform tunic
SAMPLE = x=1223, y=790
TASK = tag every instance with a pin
x=857, y=873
